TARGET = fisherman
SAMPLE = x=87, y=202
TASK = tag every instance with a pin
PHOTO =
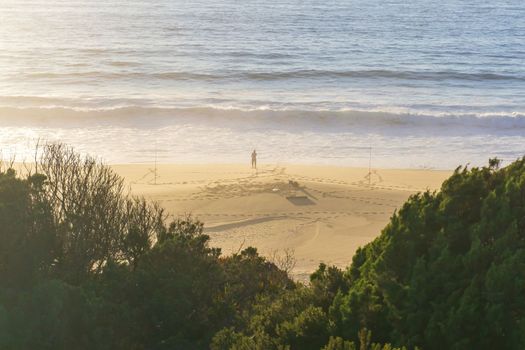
x=254, y=159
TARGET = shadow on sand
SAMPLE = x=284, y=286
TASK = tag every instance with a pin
x=300, y=200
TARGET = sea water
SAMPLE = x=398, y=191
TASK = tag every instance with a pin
x=423, y=83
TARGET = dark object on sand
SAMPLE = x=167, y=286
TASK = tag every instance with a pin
x=293, y=183
x=300, y=200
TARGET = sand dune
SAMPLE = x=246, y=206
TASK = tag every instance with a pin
x=321, y=213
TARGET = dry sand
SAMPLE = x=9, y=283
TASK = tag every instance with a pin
x=321, y=213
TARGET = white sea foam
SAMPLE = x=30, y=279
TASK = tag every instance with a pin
x=136, y=134
x=267, y=119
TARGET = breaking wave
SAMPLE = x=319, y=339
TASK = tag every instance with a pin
x=337, y=121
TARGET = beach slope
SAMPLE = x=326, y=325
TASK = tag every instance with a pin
x=320, y=213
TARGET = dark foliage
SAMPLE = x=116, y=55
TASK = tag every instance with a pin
x=83, y=265
x=448, y=272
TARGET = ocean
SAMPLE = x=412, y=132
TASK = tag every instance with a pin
x=424, y=84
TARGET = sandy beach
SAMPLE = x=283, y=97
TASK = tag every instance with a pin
x=321, y=213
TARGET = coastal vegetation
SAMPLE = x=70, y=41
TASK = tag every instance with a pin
x=85, y=265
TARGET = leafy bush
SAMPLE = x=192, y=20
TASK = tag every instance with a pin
x=448, y=269
x=84, y=265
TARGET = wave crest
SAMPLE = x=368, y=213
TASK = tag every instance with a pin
x=282, y=75
x=335, y=121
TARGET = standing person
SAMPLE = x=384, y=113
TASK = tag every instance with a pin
x=254, y=159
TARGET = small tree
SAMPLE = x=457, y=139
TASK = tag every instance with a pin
x=96, y=220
